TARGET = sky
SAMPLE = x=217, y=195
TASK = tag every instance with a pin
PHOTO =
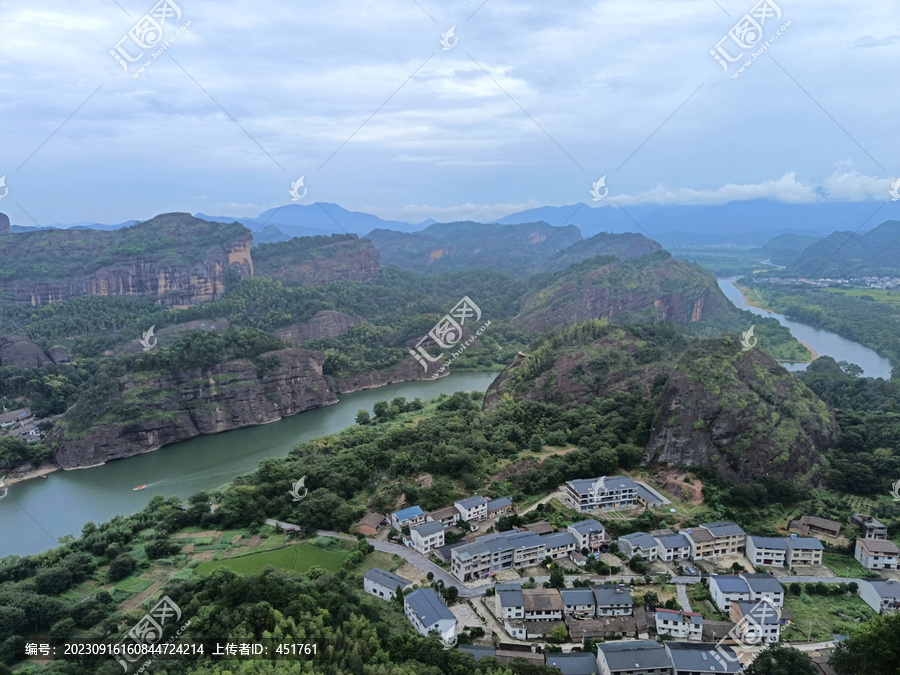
x=526, y=103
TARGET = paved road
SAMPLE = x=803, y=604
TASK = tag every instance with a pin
x=812, y=580
x=683, y=598
x=685, y=580
x=426, y=566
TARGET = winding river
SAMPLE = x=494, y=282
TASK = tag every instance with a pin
x=824, y=342
x=35, y=513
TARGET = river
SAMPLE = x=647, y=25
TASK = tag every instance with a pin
x=36, y=513
x=824, y=342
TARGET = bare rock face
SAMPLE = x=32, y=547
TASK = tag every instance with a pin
x=173, y=408
x=4, y=223
x=21, y=352
x=60, y=355
x=404, y=371
x=326, y=324
x=351, y=260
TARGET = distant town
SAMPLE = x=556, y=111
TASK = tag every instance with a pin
x=886, y=283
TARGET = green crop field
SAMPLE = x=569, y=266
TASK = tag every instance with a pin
x=878, y=294
x=298, y=558
x=825, y=615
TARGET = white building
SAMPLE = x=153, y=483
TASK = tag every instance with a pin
x=882, y=595
x=613, y=600
x=678, y=624
x=756, y=622
x=509, y=602
x=728, y=589
x=606, y=493
x=579, y=602
x=414, y=515
x=673, y=547
x=877, y=554
x=472, y=509
x=559, y=544
x=427, y=612
x=427, y=536
x=766, y=550
x=589, y=534
x=639, y=543
x=804, y=551
x=383, y=584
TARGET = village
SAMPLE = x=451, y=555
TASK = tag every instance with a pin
x=699, y=599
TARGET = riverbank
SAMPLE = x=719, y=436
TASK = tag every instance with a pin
x=760, y=304
x=14, y=476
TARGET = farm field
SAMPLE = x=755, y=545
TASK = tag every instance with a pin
x=827, y=616
x=296, y=558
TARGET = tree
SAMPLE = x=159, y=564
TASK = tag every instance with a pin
x=536, y=444
x=780, y=659
x=557, y=577
x=120, y=567
x=651, y=599
x=362, y=417
x=380, y=409
x=853, y=587
x=558, y=634
x=873, y=648
x=795, y=588
x=53, y=580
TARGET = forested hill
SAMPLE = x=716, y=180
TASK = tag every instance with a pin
x=693, y=402
x=847, y=254
x=175, y=258
x=519, y=250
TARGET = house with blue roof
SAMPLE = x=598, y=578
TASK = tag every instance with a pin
x=414, y=515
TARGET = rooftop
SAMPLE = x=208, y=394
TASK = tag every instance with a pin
x=427, y=529
x=878, y=546
x=886, y=588
x=762, y=613
x=471, y=502
x=385, y=578
x=805, y=543
x=542, y=600
x=731, y=584
x=588, y=526
x=511, y=596
x=411, y=512
x=641, y=539
x=499, y=503
x=723, y=528
x=575, y=663
x=578, y=596
x=371, y=519
x=777, y=543
x=673, y=540
x=642, y=654
x=611, y=594
x=446, y=512
x=428, y=606
x=763, y=583
x=698, y=657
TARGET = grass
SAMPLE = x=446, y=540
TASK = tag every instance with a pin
x=133, y=585
x=827, y=615
x=298, y=558
x=879, y=294
x=385, y=561
x=844, y=566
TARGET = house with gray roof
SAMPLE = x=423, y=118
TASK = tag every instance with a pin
x=509, y=601
x=877, y=554
x=692, y=658
x=494, y=553
x=710, y=540
x=673, y=547
x=427, y=612
x=804, y=551
x=589, y=534
x=678, y=624
x=643, y=657
x=472, y=509
x=882, y=595
x=574, y=663
x=756, y=622
x=580, y=602
x=613, y=600
x=427, y=536
x=499, y=507
x=478, y=651
x=606, y=493
x=638, y=543
x=765, y=586
x=383, y=584
x=559, y=544
x=766, y=550
x=726, y=589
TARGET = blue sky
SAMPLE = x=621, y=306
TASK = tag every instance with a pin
x=534, y=103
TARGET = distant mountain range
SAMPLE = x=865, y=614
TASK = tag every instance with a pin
x=847, y=254
x=751, y=222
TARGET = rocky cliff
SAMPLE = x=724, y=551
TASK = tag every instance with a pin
x=22, y=352
x=325, y=324
x=176, y=259
x=166, y=408
x=315, y=261
x=713, y=403
x=653, y=287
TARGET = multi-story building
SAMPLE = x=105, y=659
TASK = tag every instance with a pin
x=673, y=547
x=692, y=658
x=447, y=516
x=578, y=602
x=427, y=536
x=869, y=526
x=589, y=534
x=804, y=551
x=678, y=624
x=543, y=604
x=499, y=507
x=559, y=544
x=414, y=515
x=383, y=584
x=613, y=600
x=756, y=622
x=766, y=550
x=606, y=493
x=639, y=543
x=709, y=540
x=727, y=589
x=509, y=602
x=642, y=657
x=496, y=552
x=882, y=595
x=472, y=509
x=877, y=554
x=427, y=612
